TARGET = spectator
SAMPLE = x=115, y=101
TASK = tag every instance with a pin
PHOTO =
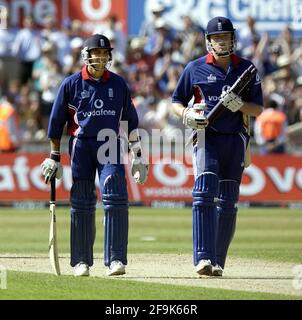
x=27, y=48
x=192, y=39
x=13, y=92
x=48, y=51
x=112, y=29
x=171, y=124
x=7, y=36
x=297, y=59
x=51, y=79
x=177, y=54
x=295, y=113
x=137, y=58
x=9, y=127
x=247, y=37
x=284, y=82
x=286, y=41
x=161, y=66
x=29, y=112
x=60, y=38
x=76, y=29
x=147, y=114
x=161, y=38
x=148, y=27
x=119, y=57
x=73, y=61
x=270, y=129
x=274, y=53
x=260, y=55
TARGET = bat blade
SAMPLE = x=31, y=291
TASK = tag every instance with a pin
x=242, y=82
x=53, y=245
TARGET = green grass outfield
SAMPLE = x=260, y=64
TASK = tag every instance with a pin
x=273, y=235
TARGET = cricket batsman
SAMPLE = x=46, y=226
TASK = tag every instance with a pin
x=219, y=152
x=90, y=101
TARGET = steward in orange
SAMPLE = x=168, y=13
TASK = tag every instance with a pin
x=9, y=127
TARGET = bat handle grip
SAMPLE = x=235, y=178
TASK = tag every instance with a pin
x=53, y=190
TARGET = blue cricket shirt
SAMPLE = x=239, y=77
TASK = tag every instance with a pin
x=202, y=79
x=88, y=106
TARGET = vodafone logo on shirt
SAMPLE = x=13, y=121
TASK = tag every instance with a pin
x=98, y=104
x=99, y=111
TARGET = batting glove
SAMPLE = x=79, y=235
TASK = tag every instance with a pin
x=52, y=168
x=231, y=101
x=139, y=167
x=194, y=117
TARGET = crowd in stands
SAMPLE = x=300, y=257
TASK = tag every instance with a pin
x=151, y=63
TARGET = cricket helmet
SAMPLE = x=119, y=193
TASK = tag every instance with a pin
x=96, y=41
x=220, y=25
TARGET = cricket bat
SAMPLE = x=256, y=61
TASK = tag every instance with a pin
x=53, y=245
x=241, y=83
x=247, y=156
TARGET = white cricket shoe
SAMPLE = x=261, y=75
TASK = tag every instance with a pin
x=81, y=270
x=217, y=271
x=204, y=268
x=117, y=268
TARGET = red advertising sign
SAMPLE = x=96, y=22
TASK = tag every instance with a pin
x=21, y=179
x=92, y=12
x=89, y=12
x=268, y=179
x=273, y=178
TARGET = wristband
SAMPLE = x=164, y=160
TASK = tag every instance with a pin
x=55, y=155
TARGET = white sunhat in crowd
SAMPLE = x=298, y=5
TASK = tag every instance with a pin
x=157, y=7
x=76, y=43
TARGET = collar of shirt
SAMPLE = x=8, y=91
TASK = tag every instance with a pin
x=86, y=76
x=234, y=59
